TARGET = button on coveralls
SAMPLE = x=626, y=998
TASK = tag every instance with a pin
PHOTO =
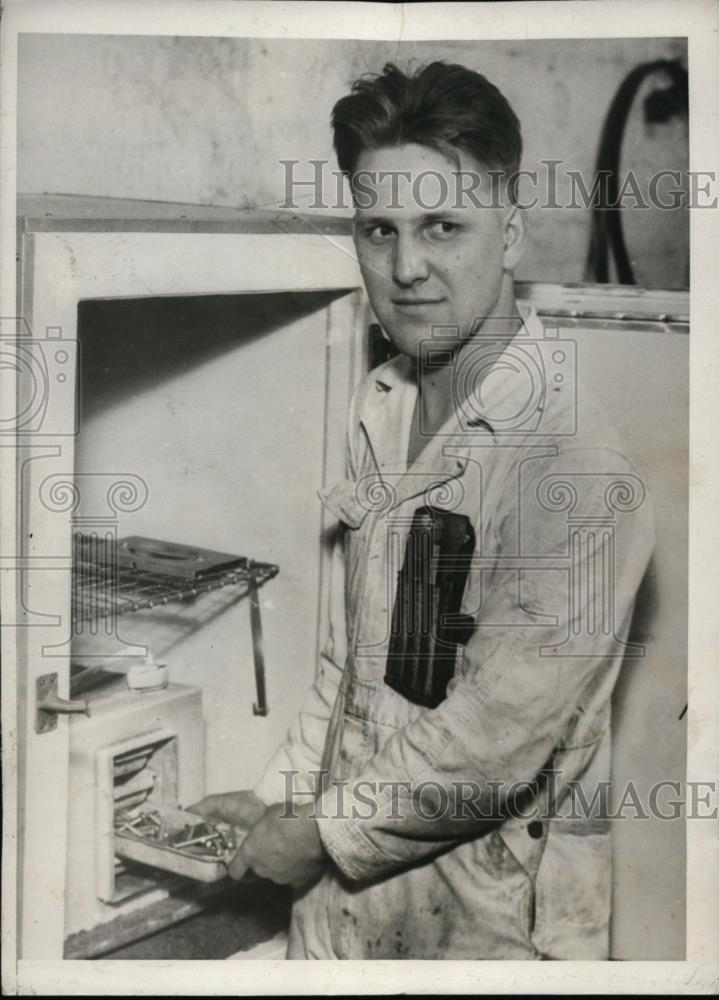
x=563, y=536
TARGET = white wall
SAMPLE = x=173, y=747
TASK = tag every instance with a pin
x=208, y=120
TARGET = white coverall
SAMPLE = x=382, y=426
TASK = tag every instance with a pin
x=563, y=537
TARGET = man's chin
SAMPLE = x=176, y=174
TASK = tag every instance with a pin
x=434, y=344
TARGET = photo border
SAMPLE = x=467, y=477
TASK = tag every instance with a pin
x=698, y=21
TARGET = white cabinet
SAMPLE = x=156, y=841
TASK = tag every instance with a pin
x=188, y=380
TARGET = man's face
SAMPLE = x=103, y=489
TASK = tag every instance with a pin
x=424, y=266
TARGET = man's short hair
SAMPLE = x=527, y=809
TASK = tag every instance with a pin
x=444, y=106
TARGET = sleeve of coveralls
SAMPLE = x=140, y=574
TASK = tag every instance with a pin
x=512, y=700
x=301, y=751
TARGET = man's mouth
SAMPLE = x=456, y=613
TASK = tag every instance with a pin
x=415, y=303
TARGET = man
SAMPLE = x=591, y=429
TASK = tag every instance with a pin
x=494, y=541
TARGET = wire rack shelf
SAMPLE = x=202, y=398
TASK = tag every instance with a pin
x=103, y=587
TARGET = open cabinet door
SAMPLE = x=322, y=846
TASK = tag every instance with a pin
x=47, y=415
x=43, y=738
x=65, y=263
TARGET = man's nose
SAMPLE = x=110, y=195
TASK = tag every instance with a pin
x=410, y=261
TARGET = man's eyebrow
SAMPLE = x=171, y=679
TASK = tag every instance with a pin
x=371, y=218
x=439, y=215
x=442, y=214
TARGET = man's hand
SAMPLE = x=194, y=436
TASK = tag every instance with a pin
x=241, y=809
x=284, y=846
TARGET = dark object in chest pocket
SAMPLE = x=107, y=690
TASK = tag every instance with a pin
x=427, y=626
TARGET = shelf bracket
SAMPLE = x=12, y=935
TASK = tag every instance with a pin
x=260, y=706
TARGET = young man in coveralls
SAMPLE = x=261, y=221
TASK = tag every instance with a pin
x=494, y=538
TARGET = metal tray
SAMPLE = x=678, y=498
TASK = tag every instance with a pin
x=134, y=847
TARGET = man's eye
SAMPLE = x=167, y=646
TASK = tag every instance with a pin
x=443, y=230
x=379, y=234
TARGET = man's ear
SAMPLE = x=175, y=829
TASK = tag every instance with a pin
x=515, y=236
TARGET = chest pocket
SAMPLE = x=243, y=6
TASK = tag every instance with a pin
x=427, y=627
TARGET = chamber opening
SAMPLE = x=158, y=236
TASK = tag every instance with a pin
x=130, y=345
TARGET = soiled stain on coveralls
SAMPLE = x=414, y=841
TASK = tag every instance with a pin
x=531, y=688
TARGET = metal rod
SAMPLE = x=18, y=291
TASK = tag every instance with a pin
x=260, y=706
x=196, y=840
